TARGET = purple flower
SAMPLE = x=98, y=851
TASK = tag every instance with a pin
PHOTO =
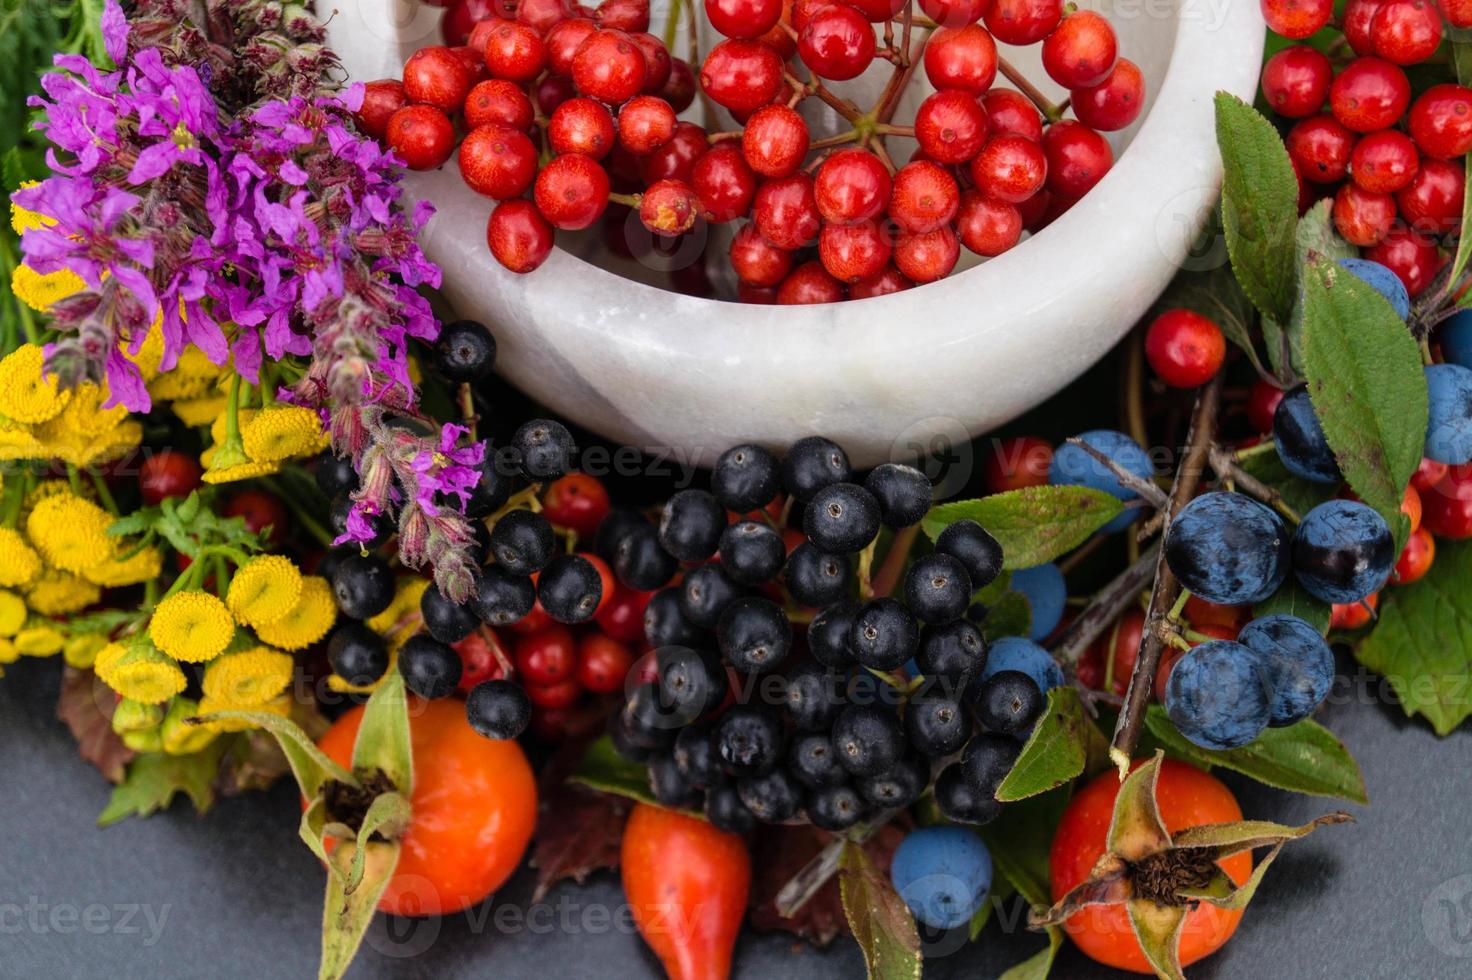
x=115, y=32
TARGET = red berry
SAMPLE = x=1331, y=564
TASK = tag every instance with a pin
x=1296, y=19
x=1035, y=209
x=547, y=656
x=756, y=262
x=624, y=15
x=552, y=697
x=669, y=208
x=1078, y=158
x=657, y=62
x=421, y=135
x=572, y=191
x=461, y=19
x=1415, y=559
x=1011, y=112
x=1320, y=147
x=724, y=183
x=851, y=252
x=775, y=141
x=1359, y=17
x=609, y=67
x=927, y=255
x=851, y=185
x=576, y=501
x=435, y=76
x=950, y=126
x=1296, y=80
x=809, y=283
x=498, y=162
x=1184, y=348
x=518, y=236
x=1363, y=217
x=962, y=58
x=786, y=213
x=623, y=617
x=743, y=19
x=1446, y=505
x=877, y=11
x=551, y=91
x=837, y=43
x=1010, y=169
x=603, y=663
x=987, y=226
x=540, y=15
x=924, y=197
x=1370, y=94
x=259, y=510
x=381, y=99
x=954, y=13
x=563, y=41
x=1384, y=162
x=515, y=52
x=741, y=75
x=1441, y=121
x=500, y=103
x=1262, y=402
x=645, y=123
x=1410, y=255
x=1021, y=461
x=1458, y=13
x=1427, y=475
x=167, y=474
x=1081, y=52
x=1115, y=102
x=583, y=126
x=889, y=280
x=1432, y=202
x=676, y=159
x=1353, y=616
x=1023, y=22
x=679, y=88
x=1406, y=32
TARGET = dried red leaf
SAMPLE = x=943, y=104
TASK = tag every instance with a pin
x=778, y=853
x=579, y=832
x=86, y=705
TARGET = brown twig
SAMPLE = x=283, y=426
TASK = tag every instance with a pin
x=888, y=575
x=1152, y=494
x=1167, y=588
x=1228, y=471
x=1105, y=608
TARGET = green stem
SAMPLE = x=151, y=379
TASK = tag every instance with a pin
x=314, y=527
x=672, y=24
x=1180, y=604
x=103, y=493
x=74, y=478
x=1266, y=446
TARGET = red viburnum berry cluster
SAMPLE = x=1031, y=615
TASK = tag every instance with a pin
x=567, y=109
x=1390, y=162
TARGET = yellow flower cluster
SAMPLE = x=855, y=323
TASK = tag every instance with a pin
x=192, y=626
x=45, y=423
x=312, y=615
x=37, y=290
x=268, y=437
x=264, y=590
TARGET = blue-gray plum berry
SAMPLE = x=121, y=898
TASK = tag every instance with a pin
x=1047, y=597
x=1015, y=653
x=1073, y=466
x=1300, y=440
x=1449, y=428
x=1218, y=695
x=1228, y=548
x=943, y=874
x=1299, y=665
x=1343, y=550
x=1383, y=281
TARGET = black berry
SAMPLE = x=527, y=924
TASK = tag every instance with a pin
x=570, y=589
x=430, y=668
x=970, y=543
x=884, y=634
x=612, y=530
x=669, y=785
x=960, y=802
x=545, y=449
x=335, y=474
x=903, y=493
x=813, y=761
x=772, y=797
x=745, y=478
x=665, y=624
x=498, y=709
x=868, y=739
x=446, y=621
x=640, y=561
x=936, y=725
x=835, y=808
x=813, y=697
x=725, y=811
x=749, y=740
x=754, y=634
x=690, y=526
x=1009, y=701
x=898, y=786
x=357, y=654
x=651, y=720
x=692, y=683
x=752, y=552
x=828, y=634
x=952, y=650
x=523, y=542
x=816, y=578
x=812, y=464
x=492, y=490
x=363, y=586
x=987, y=760
x=464, y=352
x=841, y=519
x=706, y=593
x=938, y=588
x=502, y=598
x=695, y=755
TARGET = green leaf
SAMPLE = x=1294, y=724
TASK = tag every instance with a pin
x=1259, y=205
x=1010, y=615
x=155, y=778
x=1293, y=599
x=1020, y=840
x=313, y=828
x=346, y=915
x=1038, y=966
x=992, y=593
x=389, y=815
x=1001, y=890
x=878, y=918
x=1158, y=929
x=1056, y=751
x=1302, y=758
x=309, y=764
x=1315, y=237
x=604, y=770
x=1423, y=642
x=1034, y=525
x=383, y=738
x=1367, y=387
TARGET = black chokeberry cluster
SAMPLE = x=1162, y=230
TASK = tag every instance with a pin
x=754, y=720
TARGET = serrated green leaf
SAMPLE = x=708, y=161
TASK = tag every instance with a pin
x=1367, y=387
x=1259, y=205
x=1293, y=599
x=1038, y=966
x=155, y=778
x=877, y=916
x=1010, y=615
x=1056, y=751
x=603, y=769
x=1033, y=525
x=1422, y=643
x=1302, y=758
x=1314, y=237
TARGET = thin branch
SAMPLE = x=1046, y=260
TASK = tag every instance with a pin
x=1167, y=587
x=1151, y=493
x=1105, y=608
x=1227, y=470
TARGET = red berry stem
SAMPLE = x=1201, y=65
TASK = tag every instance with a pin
x=1027, y=88
x=852, y=136
x=627, y=200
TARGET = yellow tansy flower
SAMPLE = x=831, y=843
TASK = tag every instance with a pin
x=195, y=412
x=264, y=590
x=110, y=654
x=192, y=626
x=70, y=532
x=179, y=737
x=39, y=641
x=8, y=653
x=80, y=649
x=282, y=432
x=26, y=396
x=43, y=290
x=151, y=351
x=143, y=674
x=241, y=471
x=307, y=622
x=134, y=716
x=190, y=377
x=250, y=677
x=135, y=569
x=243, y=417
x=19, y=562
x=58, y=593
x=22, y=219
x=207, y=705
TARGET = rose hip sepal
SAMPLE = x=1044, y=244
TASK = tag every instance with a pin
x=1159, y=878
